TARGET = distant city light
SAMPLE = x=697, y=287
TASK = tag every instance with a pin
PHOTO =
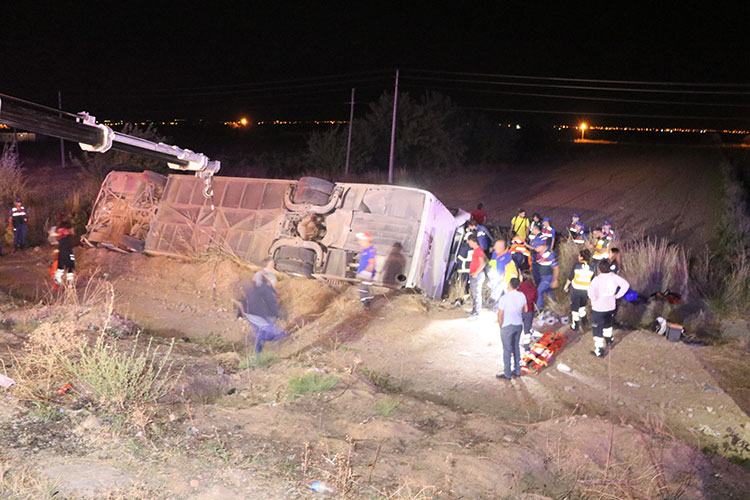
x=243, y=122
x=583, y=129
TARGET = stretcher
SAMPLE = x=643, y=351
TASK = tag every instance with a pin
x=542, y=352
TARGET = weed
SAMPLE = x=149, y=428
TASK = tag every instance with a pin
x=386, y=408
x=260, y=360
x=122, y=378
x=381, y=380
x=20, y=483
x=215, y=342
x=310, y=383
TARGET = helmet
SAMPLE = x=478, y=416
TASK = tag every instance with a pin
x=364, y=236
x=517, y=239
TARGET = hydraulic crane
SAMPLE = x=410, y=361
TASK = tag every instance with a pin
x=96, y=137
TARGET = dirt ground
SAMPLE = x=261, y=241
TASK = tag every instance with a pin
x=415, y=411
x=655, y=190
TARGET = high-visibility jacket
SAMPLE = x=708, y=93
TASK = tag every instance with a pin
x=521, y=248
x=601, y=249
x=609, y=234
x=581, y=276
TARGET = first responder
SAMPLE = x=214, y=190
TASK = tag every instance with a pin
x=18, y=218
x=520, y=254
x=580, y=279
x=607, y=231
x=548, y=271
x=496, y=270
x=615, y=260
x=66, y=259
x=577, y=229
x=476, y=275
x=483, y=234
x=519, y=225
x=536, y=238
x=536, y=221
x=366, y=268
x=600, y=248
x=548, y=233
x=604, y=291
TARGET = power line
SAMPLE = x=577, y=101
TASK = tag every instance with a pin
x=558, y=96
x=548, y=78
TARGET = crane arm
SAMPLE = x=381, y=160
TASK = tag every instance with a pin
x=96, y=137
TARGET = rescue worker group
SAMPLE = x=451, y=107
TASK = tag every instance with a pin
x=521, y=272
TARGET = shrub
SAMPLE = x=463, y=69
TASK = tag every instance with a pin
x=261, y=360
x=387, y=407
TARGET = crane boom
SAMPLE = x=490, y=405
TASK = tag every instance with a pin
x=96, y=137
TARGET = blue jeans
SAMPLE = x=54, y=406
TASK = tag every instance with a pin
x=265, y=330
x=542, y=288
x=476, y=292
x=510, y=335
x=19, y=236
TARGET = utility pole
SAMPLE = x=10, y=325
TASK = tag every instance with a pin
x=349, y=140
x=393, y=132
x=62, y=143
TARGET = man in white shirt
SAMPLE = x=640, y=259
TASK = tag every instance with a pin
x=510, y=311
x=604, y=291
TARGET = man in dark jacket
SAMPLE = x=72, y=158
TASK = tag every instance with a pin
x=260, y=307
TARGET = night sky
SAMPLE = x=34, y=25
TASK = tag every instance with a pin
x=274, y=60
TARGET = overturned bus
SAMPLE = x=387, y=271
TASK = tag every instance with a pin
x=308, y=227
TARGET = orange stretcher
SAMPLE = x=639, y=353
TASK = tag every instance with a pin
x=542, y=351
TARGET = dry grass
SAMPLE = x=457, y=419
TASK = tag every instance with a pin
x=21, y=483
x=653, y=265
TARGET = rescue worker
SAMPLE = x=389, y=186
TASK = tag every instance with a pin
x=580, y=279
x=17, y=219
x=577, y=229
x=366, y=268
x=496, y=270
x=607, y=231
x=548, y=271
x=536, y=221
x=536, y=239
x=66, y=259
x=479, y=214
x=483, y=234
x=600, y=248
x=548, y=233
x=519, y=225
x=520, y=254
x=603, y=292
x=476, y=273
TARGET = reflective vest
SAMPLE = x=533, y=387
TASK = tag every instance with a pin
x=581, y=276
x=609, y=235
x=19, y=215
x=601, y=251
x=577, y=232
x=521, y=248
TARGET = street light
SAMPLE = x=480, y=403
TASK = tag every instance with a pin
x=583, y=129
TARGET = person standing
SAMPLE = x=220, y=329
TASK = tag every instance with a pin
x=548, y=233
x=536, y=239
x=604, y=291
x=476, y=273
x=600, y=248
x=496, y=270
x=66, y=259
x=479, y=214
x=577, y=229
x=482, y=233
x=548, y=273
x=580, y=279
x=608, y=232
x=536, y=221
x=615, y=260
x=510, y=318
x=18, y=218
x=528, y=289
x=519, y=225
x=366, y=268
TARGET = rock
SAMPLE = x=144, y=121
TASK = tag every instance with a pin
x=87, y=479
x=194, y=483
